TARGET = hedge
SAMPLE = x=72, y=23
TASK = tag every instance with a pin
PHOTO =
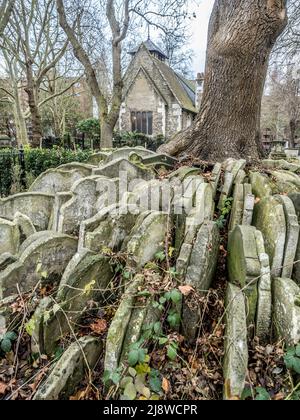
x=36, y=161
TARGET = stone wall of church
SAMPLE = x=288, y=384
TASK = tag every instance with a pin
x=143, y=97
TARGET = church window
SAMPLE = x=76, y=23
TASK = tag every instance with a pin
x=142, y=122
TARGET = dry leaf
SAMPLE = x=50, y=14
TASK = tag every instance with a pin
x=257, y=200
x=166, y=385
x=99, y=327
x=186, y=290
x=3, y=388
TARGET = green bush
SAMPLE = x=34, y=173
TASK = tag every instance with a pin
x=90, y=127
x=37, y=161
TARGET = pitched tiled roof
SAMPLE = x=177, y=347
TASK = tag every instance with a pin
x=180, y=87
x=183, y=89
x=151, y=47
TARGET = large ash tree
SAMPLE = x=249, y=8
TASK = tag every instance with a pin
x=241, y=37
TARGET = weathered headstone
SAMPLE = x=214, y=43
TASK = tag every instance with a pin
x=81, y=357
x=235, y=365
x=43, y=261
x=119, y=325
x=269, y=218
x=38, y=207
x=243, y=265
x=200, y=273
x=264, y=302
x=286, y=308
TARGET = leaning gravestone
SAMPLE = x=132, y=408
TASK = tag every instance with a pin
x=42, y=262
x=286, y=298
x=80, y=358
x=55, y=180
x=292, y=236
x=261, y=185
x=264, y=301
x=38, y=207
x=269, y=218
x=89, y=196
x=235, y=364
x=200, y=273
x=9, y=237
x=243, y=265
x=119, y=325
x=87, y=278
x=147, y=238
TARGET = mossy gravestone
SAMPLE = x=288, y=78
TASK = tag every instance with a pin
x=235, y=364
x=243, y=265
x=269, y=218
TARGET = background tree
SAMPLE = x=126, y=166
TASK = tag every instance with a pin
x=281, y=103
x=34, y=42
x=6, y=7
x=122, y=17
x=241, y=36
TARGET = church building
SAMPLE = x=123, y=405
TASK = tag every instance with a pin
x=157, y=100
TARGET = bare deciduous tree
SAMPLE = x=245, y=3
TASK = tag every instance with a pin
x=122, y=16
x=6, y=8
x=34, y=41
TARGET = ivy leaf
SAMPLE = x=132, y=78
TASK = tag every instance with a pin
x=155, y=382
x=6, y=345
x=162, y=300
x=262, y=394
x=115, y=377
x=296, y=365
x=298, y=350
x=174, y=320
x=162, y=341
x=176, y=296
x=12, y=336
x=157, y=328
x=160, y=256
x=130, y=392
x=289, y=358
x=247, y=393
x=133, y=357
x=172, y=352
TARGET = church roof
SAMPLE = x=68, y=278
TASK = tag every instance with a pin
x=183, y=89
x=180, y=87
x=152, y=48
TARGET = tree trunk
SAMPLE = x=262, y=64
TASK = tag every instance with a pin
x=292, y=133
x=107, y=132
x=21, y=128
x=240, y=40
x=33, y=107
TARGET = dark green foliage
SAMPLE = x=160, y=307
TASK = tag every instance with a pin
x=37, y=161
x=7, y=341
x=90, y=127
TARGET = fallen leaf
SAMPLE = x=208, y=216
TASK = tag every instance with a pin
x=186, y=290
x=257, y=200
x=166, y=385
x=3, y=388
x=99, y=327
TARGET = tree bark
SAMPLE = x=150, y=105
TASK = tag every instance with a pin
x=107, y=132
x=292, y=133
x=33, y=107
x=21, y=128
x=241, y=36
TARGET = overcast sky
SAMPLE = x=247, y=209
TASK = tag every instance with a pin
x=199, y=30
